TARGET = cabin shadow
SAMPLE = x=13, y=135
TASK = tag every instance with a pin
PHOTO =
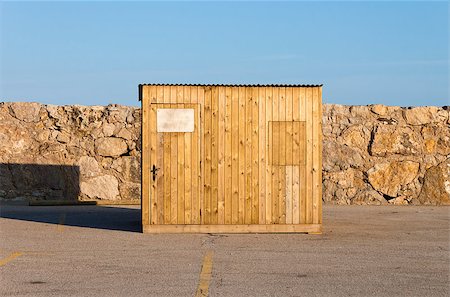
x=58, y=182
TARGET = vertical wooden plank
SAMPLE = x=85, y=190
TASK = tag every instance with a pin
x=255, y=158
x=201, y=146
x=166, y=175
x=302, y=170
x=289, y=152
x=275, y=156
x=282, y=169
x=248, y=156
x=145, y=176
x=309, y=150
x=207, y=147
x=288, y=192
x=187, y=163
x=153, y=161
x=235, y=154
x=295, y=156
x=180, y=157
x=214, y=154
x=221, y=158
x=316, y=119
x=167, y=158
x=320, y=150
x=174, y=165
x=228, y=157
x=195, y=159
x=160, y=161
x=262, y=154
x=242, y=104
x=269, y=154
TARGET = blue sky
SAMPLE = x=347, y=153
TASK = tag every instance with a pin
x=95, y=53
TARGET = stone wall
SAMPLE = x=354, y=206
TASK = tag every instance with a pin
x=371, y=154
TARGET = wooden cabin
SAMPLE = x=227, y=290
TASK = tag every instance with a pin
x=231, y=158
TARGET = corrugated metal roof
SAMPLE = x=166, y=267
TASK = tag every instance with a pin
x=238, y=85
x=232, y=85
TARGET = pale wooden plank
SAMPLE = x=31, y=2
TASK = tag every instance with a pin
x=181, y=181
x=166, y=174
x=153, y=161
x=289, y=153
x=262, y=154
x=207, y=147
x=288, y=193
x=275, y=156
x=214, y=154
x=221, y=158
x=316, y=119
x=167, y=158
x=195, y=160
x=242, y=114
x=145, y=175
x=228, y=157
x=268, y=145
x=160, y=177
x=160, y=161
x=286, y=228
x=248, y=156
x=202, y=145
x=282, y=174
x=255, y=158
x=296, y=194
x=319, y=165
x=302, y=171
x=188, y=165
x=295, y=156
x=235, y=155
x=309, y=150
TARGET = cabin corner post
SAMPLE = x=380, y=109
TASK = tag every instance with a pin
x=145, y=154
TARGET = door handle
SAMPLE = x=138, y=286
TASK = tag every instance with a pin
x=154, y=171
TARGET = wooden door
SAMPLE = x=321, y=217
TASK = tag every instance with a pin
x=175, y=164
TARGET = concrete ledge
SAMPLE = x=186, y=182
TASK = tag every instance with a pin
x=77, y=202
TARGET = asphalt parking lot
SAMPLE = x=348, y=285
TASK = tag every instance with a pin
x=98, y=251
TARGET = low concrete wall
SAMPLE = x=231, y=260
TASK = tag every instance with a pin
x=371, y=154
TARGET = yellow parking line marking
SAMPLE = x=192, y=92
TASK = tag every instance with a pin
x=10, y=258
x=205, y=275
x=62, y=218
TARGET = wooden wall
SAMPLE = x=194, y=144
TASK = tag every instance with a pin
x=252, y=164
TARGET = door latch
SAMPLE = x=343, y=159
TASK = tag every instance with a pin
x=154, y=171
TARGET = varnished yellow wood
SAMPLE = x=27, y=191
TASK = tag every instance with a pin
x=254, y=157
